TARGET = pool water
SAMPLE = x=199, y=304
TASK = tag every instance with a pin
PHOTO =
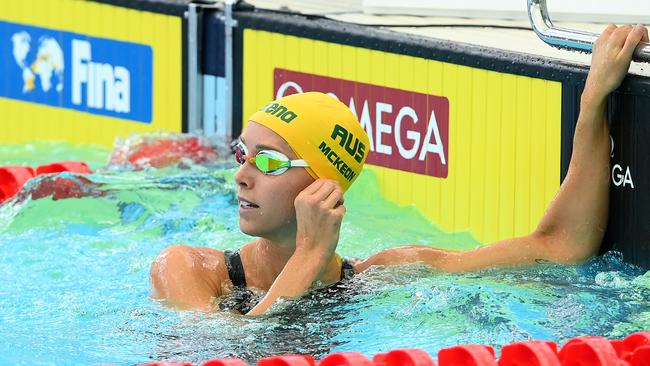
x=75, y=278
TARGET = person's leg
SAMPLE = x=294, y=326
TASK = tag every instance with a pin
x=188, y=277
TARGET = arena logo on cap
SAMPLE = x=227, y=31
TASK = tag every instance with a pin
x=407, y=131
x=280, y=111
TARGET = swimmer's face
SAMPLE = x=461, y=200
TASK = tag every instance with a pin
x=266, y=206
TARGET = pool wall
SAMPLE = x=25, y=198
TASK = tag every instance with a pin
x=87, y=72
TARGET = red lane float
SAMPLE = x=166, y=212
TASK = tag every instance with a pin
x=12, y=178
x=64, y=166
x=287, y=360
x=63, y=187
x=533, y=353
x=589, y=350
x=152, y=152
x=467, y=355
x=634, y=350
x=379, y=359
x=406, y=357
x=640, y=356
x=225, y=362
x=627, y=348
x=346, y=359
x=165, y=152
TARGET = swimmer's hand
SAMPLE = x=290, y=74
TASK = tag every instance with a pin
x=612, y=54
x=319, y=212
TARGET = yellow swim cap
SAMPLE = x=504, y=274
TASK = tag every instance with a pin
x=322, y=131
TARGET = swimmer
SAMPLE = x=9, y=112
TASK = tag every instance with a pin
x=299, y=155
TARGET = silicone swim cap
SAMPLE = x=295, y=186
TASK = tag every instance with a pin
x=322, y=131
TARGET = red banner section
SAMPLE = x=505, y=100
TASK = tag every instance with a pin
x=408, y=131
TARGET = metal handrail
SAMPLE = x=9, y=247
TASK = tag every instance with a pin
x=568, y=38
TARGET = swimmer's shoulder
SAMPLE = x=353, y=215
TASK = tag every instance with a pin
x=218, y=263
x=213, y=265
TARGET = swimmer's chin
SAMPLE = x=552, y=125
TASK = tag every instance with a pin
x=246, y=229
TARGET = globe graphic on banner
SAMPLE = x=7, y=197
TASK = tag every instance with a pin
x=47, y=65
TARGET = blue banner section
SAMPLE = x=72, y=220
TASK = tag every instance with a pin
x=75, y=71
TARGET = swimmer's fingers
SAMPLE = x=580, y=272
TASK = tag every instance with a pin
x=620, y=34
x=317, y=186
x=633, y=38
x=335, y=198
x=324, y=191
x=608, y=31
x=314, y=187
x=612, y=54
x=644, y=38
x=339, y=211
x=601, y=42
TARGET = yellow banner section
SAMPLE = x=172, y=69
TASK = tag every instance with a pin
x=99, y=31
x=503, y=156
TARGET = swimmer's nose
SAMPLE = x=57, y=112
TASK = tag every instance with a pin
x=243, y=176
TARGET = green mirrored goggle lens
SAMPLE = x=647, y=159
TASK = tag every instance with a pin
x=268, y=164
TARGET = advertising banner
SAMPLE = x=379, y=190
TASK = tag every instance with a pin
x=407, y=131
x=74, y=71
x=88, y=72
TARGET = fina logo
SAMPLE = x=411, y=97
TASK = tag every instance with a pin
x=107, y=87
x=96, y=76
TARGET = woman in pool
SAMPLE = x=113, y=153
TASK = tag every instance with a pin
x=298, y=156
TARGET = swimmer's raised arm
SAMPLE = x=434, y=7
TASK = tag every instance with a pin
x=574, y=224
x=319, y=213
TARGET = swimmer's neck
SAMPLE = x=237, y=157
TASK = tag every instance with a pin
x=275, y=251
x=264, y=259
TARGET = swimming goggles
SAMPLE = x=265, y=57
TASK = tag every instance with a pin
x=269, y=162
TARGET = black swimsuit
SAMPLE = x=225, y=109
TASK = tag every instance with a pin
x=242, y=300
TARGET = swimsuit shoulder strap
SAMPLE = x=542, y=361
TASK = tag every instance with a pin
x=235, y=268
x=347, y=270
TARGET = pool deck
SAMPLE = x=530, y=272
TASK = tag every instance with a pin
x=495, y=34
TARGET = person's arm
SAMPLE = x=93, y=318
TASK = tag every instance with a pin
x=573, y=226
x=188, y=278
x=318, y=215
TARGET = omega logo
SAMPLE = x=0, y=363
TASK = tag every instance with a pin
x=621, y=175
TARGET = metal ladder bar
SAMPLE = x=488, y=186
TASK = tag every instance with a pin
x=568, y=38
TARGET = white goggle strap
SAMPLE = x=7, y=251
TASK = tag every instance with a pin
x=298, y=163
